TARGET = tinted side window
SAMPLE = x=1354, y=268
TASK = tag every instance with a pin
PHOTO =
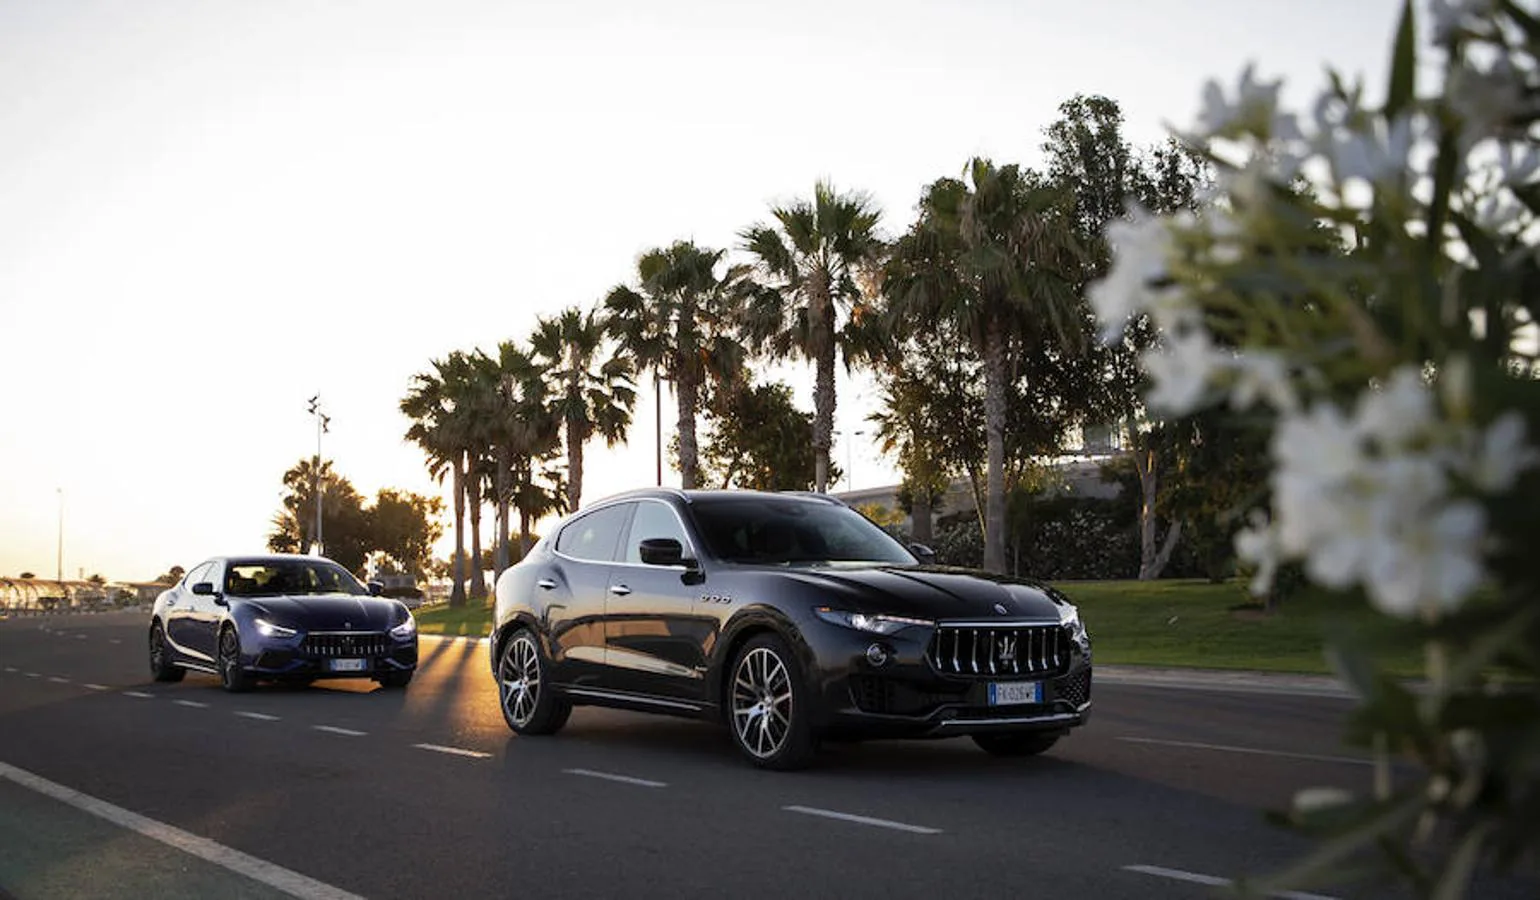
x=653, y=519
x=199, y=573
x=595, y=536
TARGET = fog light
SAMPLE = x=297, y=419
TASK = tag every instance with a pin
x=877, y=655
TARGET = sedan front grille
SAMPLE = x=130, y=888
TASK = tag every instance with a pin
x=354, y=644
x=999, y=649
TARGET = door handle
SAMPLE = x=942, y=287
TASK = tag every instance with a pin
x=619, y=590
x=545, y=584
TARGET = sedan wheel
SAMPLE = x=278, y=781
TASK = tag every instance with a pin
x=161, y=666
x=529, y=704
x=769, y=720
x=231, y=675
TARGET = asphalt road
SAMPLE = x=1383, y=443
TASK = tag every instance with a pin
x=112, y=785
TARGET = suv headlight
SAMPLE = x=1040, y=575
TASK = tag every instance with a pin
x=269, y=629
x=1069, y=614
x=405, y=629
x=875, y=624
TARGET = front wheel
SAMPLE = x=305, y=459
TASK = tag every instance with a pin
x=530, y=706
x=1028, y=744
x=161, y=666
x=231, y=675
x=767, y=706
x=398, y=679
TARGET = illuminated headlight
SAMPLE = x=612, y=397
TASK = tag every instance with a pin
x=1069, y=615
x=405, y=629
x=867, y=622
x=268, y=629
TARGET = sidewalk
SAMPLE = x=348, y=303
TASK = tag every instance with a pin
x=1236, y=681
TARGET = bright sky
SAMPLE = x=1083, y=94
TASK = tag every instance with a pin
x=211, y=210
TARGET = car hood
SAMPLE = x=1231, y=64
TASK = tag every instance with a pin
x=934, y=593
x=327, y=612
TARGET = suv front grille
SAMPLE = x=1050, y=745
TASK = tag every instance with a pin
x=999, y=649
x=1076, y=688
x=361, y=643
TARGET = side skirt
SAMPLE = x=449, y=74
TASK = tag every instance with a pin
x=585, y=696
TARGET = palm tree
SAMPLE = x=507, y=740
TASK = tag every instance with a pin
x=996, y=256
x=811, y=261
x=587, y=395
x=520, y=431
x=681, y=323
x=439, y=403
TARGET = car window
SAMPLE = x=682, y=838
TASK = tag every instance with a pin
x=198, y=574
x=257, y=578
x=785, y=531
x=653, y=519
x=596, y=535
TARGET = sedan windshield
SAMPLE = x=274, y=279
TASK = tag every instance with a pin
x=290, y=577
x=789, y=531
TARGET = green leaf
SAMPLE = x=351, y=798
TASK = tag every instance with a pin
x=1403, y=65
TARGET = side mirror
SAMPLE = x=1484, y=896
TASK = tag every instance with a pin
x=662, y=552
x=376, y=588
x=203, y=589
x=923, y=553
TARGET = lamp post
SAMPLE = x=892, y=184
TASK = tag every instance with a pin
x=322, y=420
x=850, y=465
x=59, y=572
x=657, y=425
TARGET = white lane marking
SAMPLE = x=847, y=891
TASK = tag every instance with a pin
x=623, y=779
x=332, y=729
x=140, y=694
x=260, y=717
x=57, y=680
x=11, y=669
x=193, y=703
x=1215, y=881
x=80, y=637
x=1225, y=748
x=96, y=687
x=456, y=751
x=861, y=820
x=34, y=675
x=113, y=641
x=261, y=870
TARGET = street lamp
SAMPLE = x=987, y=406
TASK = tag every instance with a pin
x=322, y=420
x=59, y=573
x=850, y=465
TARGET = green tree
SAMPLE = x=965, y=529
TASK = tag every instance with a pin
x=439, y=403
x=811, y=262
x=343, y=520
x=404, y=526
x=758, y=439
x=996, y=257
x=522, y=430
x=591, y=391
x=681, y=322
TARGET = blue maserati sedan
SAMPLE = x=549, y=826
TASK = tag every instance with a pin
x=285, y=618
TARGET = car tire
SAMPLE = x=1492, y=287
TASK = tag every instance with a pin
x=161, y=666
x=767, y=706
x=231, y=675
x=530, y=706
x=1028, y=744
x=398, y=679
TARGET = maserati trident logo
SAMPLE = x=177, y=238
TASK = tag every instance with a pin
x=1007, y=648
x=1000, y=608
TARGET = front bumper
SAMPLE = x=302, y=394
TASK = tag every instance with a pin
x=308, y=658
x=908, y=696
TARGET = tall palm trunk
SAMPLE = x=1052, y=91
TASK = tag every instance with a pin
x=575, y=432
x=457, y=568
x=920, y=512
x=473, y=496
x=689, y=465
x=994, y=423
x=500, y=487
x=821, y=339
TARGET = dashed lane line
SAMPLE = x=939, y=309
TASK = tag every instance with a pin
x=140, y=694
x=861, y=820
x=623, y=779
x=1254, y=751
x=454, y=751
x=260, y=717
x=345, y=732
x=95, y=687
x=34, y=674
x=1215, y=881
x=57, y=680
x=260, y=870
x=11, y=669
x=195, y=704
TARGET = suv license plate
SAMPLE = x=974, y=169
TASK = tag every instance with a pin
x=1007, y=693
x=347, y=665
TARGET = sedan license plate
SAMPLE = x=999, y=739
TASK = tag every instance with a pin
x=1007, y=693
x=347, y=665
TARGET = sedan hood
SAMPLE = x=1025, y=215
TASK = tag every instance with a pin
x=934, y=593
x=328, y=612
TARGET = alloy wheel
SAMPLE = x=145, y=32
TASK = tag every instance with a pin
x=518, y=678
x=229, y=658
x=157, y=650
x=762, y=699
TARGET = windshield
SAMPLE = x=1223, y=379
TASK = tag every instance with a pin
x=787, y=531
x=299, y=576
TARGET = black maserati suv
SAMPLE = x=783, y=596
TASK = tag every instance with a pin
x=790, y=617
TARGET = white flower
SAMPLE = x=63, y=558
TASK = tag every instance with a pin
x=1253, y=110
x=1321, y=443
x=1262, y=375
x=1181, y=367
x=1487, y=99
x=1502, y=455
x=1378, y=155
x=1258, y=544
x=1399, y=411
x=1141, y=246
x=1517, y=164
x=1434, y=567
x=1451, y=16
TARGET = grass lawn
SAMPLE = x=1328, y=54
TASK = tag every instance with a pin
x=1157, y=623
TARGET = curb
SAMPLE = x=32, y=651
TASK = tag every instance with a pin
x=1231, y=681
